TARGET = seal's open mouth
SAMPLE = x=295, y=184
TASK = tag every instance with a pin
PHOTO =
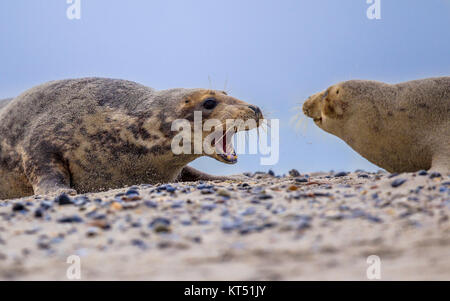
x=318, y=120
x=224, y=147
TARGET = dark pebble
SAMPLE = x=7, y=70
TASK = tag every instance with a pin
x=70, y=219
x=63, y=199
x=80, y=201
x=294, y=173
x=207, y=191
x=132, y=192
x=397, y=182
x=374, y=219
x=92, y=231
x=435, y=175
x=392, y=175
x=204, y=186
x=422, y=173
x=340, y=174
x=363, y=175
x=139, y=243
x=160, y=224
x=271, y=173
x=265, y=197
x=46, y=204
x=170, y=188
x=38, y=213
x=19, y=207
x=301, y=180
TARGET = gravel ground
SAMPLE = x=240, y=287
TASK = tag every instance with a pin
x=319, y=226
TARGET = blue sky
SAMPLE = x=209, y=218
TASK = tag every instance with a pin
x=272, y=53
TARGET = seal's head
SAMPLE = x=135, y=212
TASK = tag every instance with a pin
x=345, y=108
x=327, y=108
x=213, y=117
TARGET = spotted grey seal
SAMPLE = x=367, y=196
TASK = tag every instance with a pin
x=92, y=134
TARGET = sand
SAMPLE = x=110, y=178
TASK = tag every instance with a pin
x=319, y=226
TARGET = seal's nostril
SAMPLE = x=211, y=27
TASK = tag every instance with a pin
x=255, y=109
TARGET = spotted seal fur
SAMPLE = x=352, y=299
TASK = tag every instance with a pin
x=92, y=134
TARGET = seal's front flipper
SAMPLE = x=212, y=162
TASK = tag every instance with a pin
x=48, y=178
x=189, y=174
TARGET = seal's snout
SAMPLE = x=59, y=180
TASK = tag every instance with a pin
x=257, y=112
x=307, y=107
x=312, y=107
x=255, y=109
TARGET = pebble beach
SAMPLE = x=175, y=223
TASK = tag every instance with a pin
x=262, y=226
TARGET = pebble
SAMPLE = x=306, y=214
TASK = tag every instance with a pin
x=19, y=207
x=70, y=219
x=435, y=175
x=341, y=174
x=301, y=180
x=294, y=173
x=265, y=196
x=151, y=204
x=204, y=186
x=397, y=182
x=139, y=243
x=170, y=189
x=81, y=201
x=160, y=224
x=92, y=231
x=209, y=207
x=63, y=199
x=224, y=193
x=207, y=191
x=46, y=204
x=248, y=211
x=39, y=213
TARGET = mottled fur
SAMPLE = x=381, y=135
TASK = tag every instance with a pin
x=92, y=134
x=402, y=128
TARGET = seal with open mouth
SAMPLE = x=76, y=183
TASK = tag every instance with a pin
x=92, y=134
x=402, y=128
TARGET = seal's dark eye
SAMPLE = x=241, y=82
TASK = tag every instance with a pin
x=210, y=103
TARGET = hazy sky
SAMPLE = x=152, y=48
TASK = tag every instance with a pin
x=272, y=53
